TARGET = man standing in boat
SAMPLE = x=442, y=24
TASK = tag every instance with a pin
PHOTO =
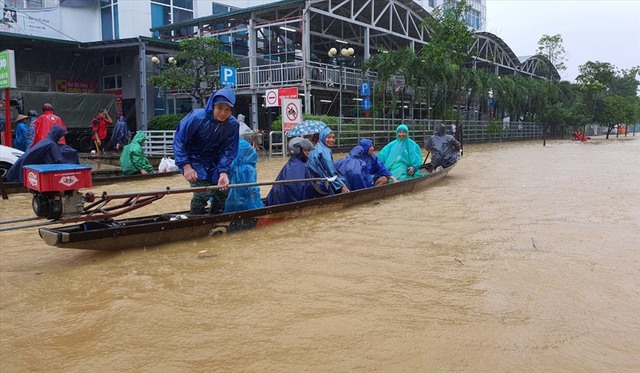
x=205, y=144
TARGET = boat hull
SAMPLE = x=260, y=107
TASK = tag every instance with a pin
x=166, y=228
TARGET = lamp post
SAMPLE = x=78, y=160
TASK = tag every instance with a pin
x=171, y=62
x=346, y=56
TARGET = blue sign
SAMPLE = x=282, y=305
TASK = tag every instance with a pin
x=490, y=102
x=228, y=75
x=366, y=104
x=365, y=89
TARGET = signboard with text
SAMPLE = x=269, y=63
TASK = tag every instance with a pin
x=273, y=97
x=7, y=69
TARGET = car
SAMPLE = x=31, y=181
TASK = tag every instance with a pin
x=8, y=156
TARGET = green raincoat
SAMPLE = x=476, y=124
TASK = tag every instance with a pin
x=132, y=159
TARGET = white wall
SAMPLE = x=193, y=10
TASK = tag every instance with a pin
x=81, y=24
x=135, y=18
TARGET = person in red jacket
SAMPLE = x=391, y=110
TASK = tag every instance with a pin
x=99, y=127
x=44, y=123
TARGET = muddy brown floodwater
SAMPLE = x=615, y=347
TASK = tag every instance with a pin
x=524, y=258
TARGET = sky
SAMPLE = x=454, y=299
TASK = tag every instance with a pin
x=592, y=30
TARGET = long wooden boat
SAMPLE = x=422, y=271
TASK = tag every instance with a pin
x=99, y=177
x=153, y=230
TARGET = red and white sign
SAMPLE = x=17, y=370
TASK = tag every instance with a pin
x=291, y=113
x=273, y=97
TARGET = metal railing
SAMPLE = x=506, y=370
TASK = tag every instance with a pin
x=380, y=130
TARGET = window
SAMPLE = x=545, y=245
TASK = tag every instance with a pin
x=111, y=82
x=31, y=4
x=111, y=60
x=220, y=8
x=473, y=19
x=109, y=19
x=164, y=12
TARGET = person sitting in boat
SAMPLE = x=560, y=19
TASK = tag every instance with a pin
x=321, y=161
x=46, y=151
x=120, y=135
x=295, y=169
x=205, y=144
x=243, y=170
x=402, y=156
x=443, y=148
x=379, y=173
x=132, y=159
x=354, y=169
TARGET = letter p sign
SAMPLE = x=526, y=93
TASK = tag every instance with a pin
x=228, y=75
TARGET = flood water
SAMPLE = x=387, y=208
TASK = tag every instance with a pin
x=524, y=258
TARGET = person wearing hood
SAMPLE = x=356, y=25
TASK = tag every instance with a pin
x=47, y=151
x=321, y=161
x=295, y=169
x=379, y=173
x=21, y=133
x=44, y=123
x=443, y=148
x=132, y=159
x=243, y=171
x=205, y=144
x=402, y=156
x=121, y=134
x=354, y=169
x=33, y=116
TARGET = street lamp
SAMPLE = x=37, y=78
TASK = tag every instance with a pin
x=171, y=62
x=346, y=56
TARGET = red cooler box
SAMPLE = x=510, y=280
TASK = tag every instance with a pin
x=56, y=177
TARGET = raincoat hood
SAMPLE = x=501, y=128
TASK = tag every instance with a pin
x=357, y=152
x=223, y=95
x=56, y=132
x=324, y=133
x=439, y=130
x=401, y=128
x=366, y=144
x=139, y=138
x=246, y=154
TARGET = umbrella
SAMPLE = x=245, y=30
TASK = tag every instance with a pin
x=307, y=127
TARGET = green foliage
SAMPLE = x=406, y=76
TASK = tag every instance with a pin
x=167, y=122
x=196, y=69
x=550, y=47
x=494, y=127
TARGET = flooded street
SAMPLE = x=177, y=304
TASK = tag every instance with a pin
x=524, y=258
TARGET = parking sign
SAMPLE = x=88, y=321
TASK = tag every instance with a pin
x=228, y=75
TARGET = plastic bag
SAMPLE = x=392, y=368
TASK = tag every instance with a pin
x=167, y=164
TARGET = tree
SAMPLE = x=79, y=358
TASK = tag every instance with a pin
x=450, y=43
x=196, y=63
x=550, y=47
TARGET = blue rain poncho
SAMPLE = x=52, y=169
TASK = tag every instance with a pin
x=121, y=133
x=375, y=165
x=444, y=148
x=321, y=161
x=21, y=142
x=46, y=151
x=295, y=169
x=243, y=170
x=354, y=169
x=207, y=145
x=399, y=155
x=132, y=159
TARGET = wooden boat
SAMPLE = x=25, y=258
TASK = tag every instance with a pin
x=114, y=159
x=99, y=177
x=110, y=234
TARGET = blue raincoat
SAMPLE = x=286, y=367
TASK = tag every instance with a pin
x=295, y=168
x=31, y=133
x=354, y=169
x=243, y=170
x=444, y=148
x=375, y=165
x=321, y=161
x=399, y=155
x=22, y=137
x=121, y=133
x=207, y=145
x=46, y=151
